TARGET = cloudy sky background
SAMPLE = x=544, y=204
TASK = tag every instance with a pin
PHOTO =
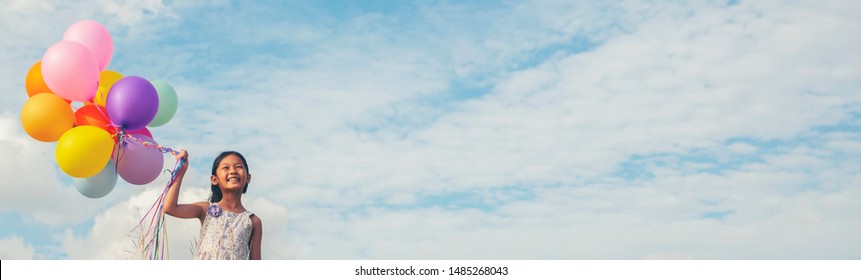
x=476, y=130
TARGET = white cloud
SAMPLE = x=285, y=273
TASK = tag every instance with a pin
x=13, y=247
x=114, y=236
x=277, y=227
x=742, y=148
x=133, y=12
x=24, y=6
x=739, y=215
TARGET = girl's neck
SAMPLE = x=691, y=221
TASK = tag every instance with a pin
x=231, y=202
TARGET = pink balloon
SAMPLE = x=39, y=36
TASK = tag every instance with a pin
x=95, y=37
x=70, y=70
x=141, y=131
x=136, y=163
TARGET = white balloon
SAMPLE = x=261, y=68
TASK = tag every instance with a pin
x=98, y=185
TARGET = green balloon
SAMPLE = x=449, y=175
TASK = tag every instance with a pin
x=167, y=103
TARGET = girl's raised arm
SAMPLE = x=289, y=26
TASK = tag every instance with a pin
x=186, y=211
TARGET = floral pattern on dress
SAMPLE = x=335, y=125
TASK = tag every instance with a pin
x=224, y=235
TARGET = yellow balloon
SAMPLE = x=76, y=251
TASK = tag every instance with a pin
x=84, y=150
x=107, y=79
x=46, y=116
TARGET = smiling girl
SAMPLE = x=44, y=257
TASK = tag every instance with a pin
x=228, y=231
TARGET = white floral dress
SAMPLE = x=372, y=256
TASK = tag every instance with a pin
x=224, y=235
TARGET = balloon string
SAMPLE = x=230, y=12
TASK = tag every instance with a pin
x=99, y=94
x=153, y=242
x=147, y=144
x=99, y=108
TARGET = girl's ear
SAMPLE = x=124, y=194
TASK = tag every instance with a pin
x=213, y=179
x=249, y=179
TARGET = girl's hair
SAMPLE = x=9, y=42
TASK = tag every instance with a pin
x=216, y=191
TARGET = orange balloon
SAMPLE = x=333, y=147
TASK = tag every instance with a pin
x=35, y=84
x=94, y=115
x=46, y=116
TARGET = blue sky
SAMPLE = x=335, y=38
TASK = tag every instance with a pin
x=472, y=130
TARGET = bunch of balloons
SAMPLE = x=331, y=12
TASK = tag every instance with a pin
x=94, y=141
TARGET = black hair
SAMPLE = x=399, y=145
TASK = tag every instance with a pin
x=216, y=191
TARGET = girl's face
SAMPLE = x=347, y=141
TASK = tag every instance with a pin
x=231, y=174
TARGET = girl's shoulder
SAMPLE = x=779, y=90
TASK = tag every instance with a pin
x=254, y=218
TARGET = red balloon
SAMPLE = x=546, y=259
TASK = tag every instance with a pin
x=94, y=115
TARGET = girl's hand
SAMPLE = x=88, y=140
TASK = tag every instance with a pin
x=185, y=211
x=184, y=156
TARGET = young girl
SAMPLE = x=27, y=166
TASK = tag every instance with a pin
x=228, y=231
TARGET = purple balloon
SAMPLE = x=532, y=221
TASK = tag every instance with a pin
x=132, y=103
x=136, y=163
